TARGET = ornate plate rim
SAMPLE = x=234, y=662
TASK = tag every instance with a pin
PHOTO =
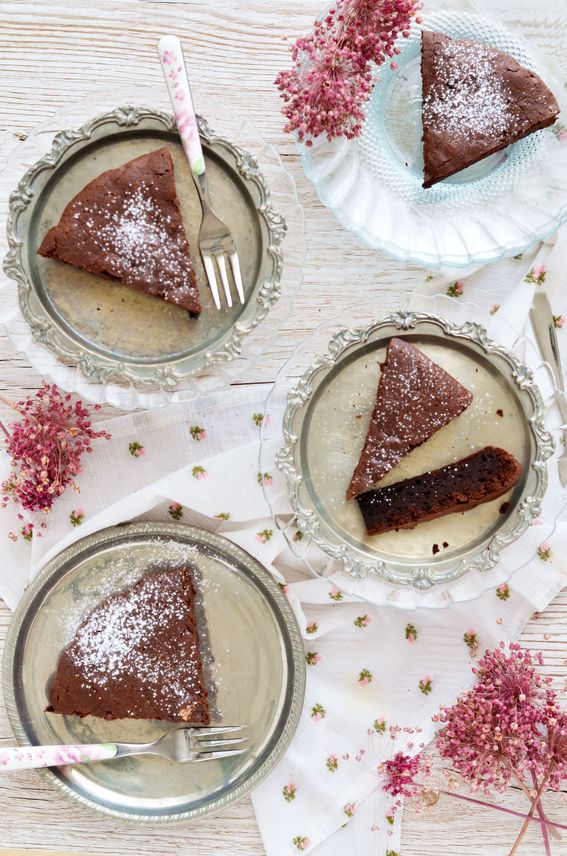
x=53, y=568
x=421, y=578
x=103, y=368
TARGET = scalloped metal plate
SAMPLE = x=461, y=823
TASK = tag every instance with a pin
x=260, y=682
x=419, y=574
x=98, y=360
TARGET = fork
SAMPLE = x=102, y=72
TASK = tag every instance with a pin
x=215, y=238
x=180, y=744
x=541, y=317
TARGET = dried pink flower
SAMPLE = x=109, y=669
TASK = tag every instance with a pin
x=400, y=772
x=46, y=447
x=331, y=78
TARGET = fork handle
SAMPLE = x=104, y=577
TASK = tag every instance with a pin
x=32, y=757
x=173, y=67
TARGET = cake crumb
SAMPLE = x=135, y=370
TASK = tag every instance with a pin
x=504, y=507
x=445, y=544
x=500, y=412
x=435, y=549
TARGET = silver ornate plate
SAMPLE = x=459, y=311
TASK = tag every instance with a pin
x=325, y=422
x=254, y=651
x=115, y=333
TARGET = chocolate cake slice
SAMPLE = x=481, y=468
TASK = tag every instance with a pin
x=126, y=224
x=415, y=398
x=136, y=656
x=481, y=477
x=476, y=100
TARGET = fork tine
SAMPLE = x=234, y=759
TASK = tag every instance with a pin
x=235, y=263
x=222, y=268
x=210, y=271
x=228, y=753
x=213, y=730
x=204, y=745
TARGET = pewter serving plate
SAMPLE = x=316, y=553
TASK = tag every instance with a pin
x=253, y=651
x=326, y=420
x=114, y=332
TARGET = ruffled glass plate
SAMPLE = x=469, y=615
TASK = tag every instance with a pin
x=116, y=346
x=494, y=209
x=331, y=379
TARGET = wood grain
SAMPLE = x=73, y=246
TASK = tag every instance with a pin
x=58, y=51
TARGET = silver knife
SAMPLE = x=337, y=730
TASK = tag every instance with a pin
x=543, y=325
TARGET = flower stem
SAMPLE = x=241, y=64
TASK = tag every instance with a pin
x=530, y=815
x=548, y=823
x=541, y=815
x=522, y=785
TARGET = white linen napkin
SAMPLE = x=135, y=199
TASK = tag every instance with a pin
x=367, y=664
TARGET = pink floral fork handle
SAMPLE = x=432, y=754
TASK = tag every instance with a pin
x=31, y=757
x=173, y=65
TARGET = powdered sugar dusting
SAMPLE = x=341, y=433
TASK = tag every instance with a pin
x=469, y=97
x=144, y=637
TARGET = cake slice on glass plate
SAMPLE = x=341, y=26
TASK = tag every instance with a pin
x=476, y=100
x=126, y=225
x=415, y=398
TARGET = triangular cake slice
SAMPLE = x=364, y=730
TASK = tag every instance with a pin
x=126, y=224
x=481, y=477
x=415, y=398
x=476, y=100
x=136, y=656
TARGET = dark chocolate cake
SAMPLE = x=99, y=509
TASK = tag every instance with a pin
x=136, y=656
x=476, y=101
x=126, y=224
x=415, y=398
x=481, y=477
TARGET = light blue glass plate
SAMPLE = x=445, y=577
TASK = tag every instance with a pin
x=495, y=208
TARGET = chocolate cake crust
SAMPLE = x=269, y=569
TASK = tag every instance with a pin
x=476, y=101
x=415, y=398
x=481, y=477
x=126, y=225
x=136, y=656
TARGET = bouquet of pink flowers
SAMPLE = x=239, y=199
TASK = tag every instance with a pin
x=332, y=73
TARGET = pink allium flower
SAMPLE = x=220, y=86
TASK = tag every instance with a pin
x=425, y=685
x=399, y=774
x=494, y=730
x=494, y=308
x=77, y=516
x=175, y=510
x=330, y=81
x=559, y=321
x=312, y=627
x=362, y=621
x=301, y=842
x=503, y=591
x=312, y=658
x=544, y=551
x=364, y=677
x=335, y=594
x=46, y=447
x=199, y=473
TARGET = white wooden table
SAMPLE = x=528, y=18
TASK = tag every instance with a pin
x=57, y=51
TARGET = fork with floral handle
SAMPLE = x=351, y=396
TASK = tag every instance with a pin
x=180, y=744
x=215, y=238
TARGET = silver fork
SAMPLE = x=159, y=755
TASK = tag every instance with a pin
x=181, y=744
x=541, y=317
x=215, y=238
